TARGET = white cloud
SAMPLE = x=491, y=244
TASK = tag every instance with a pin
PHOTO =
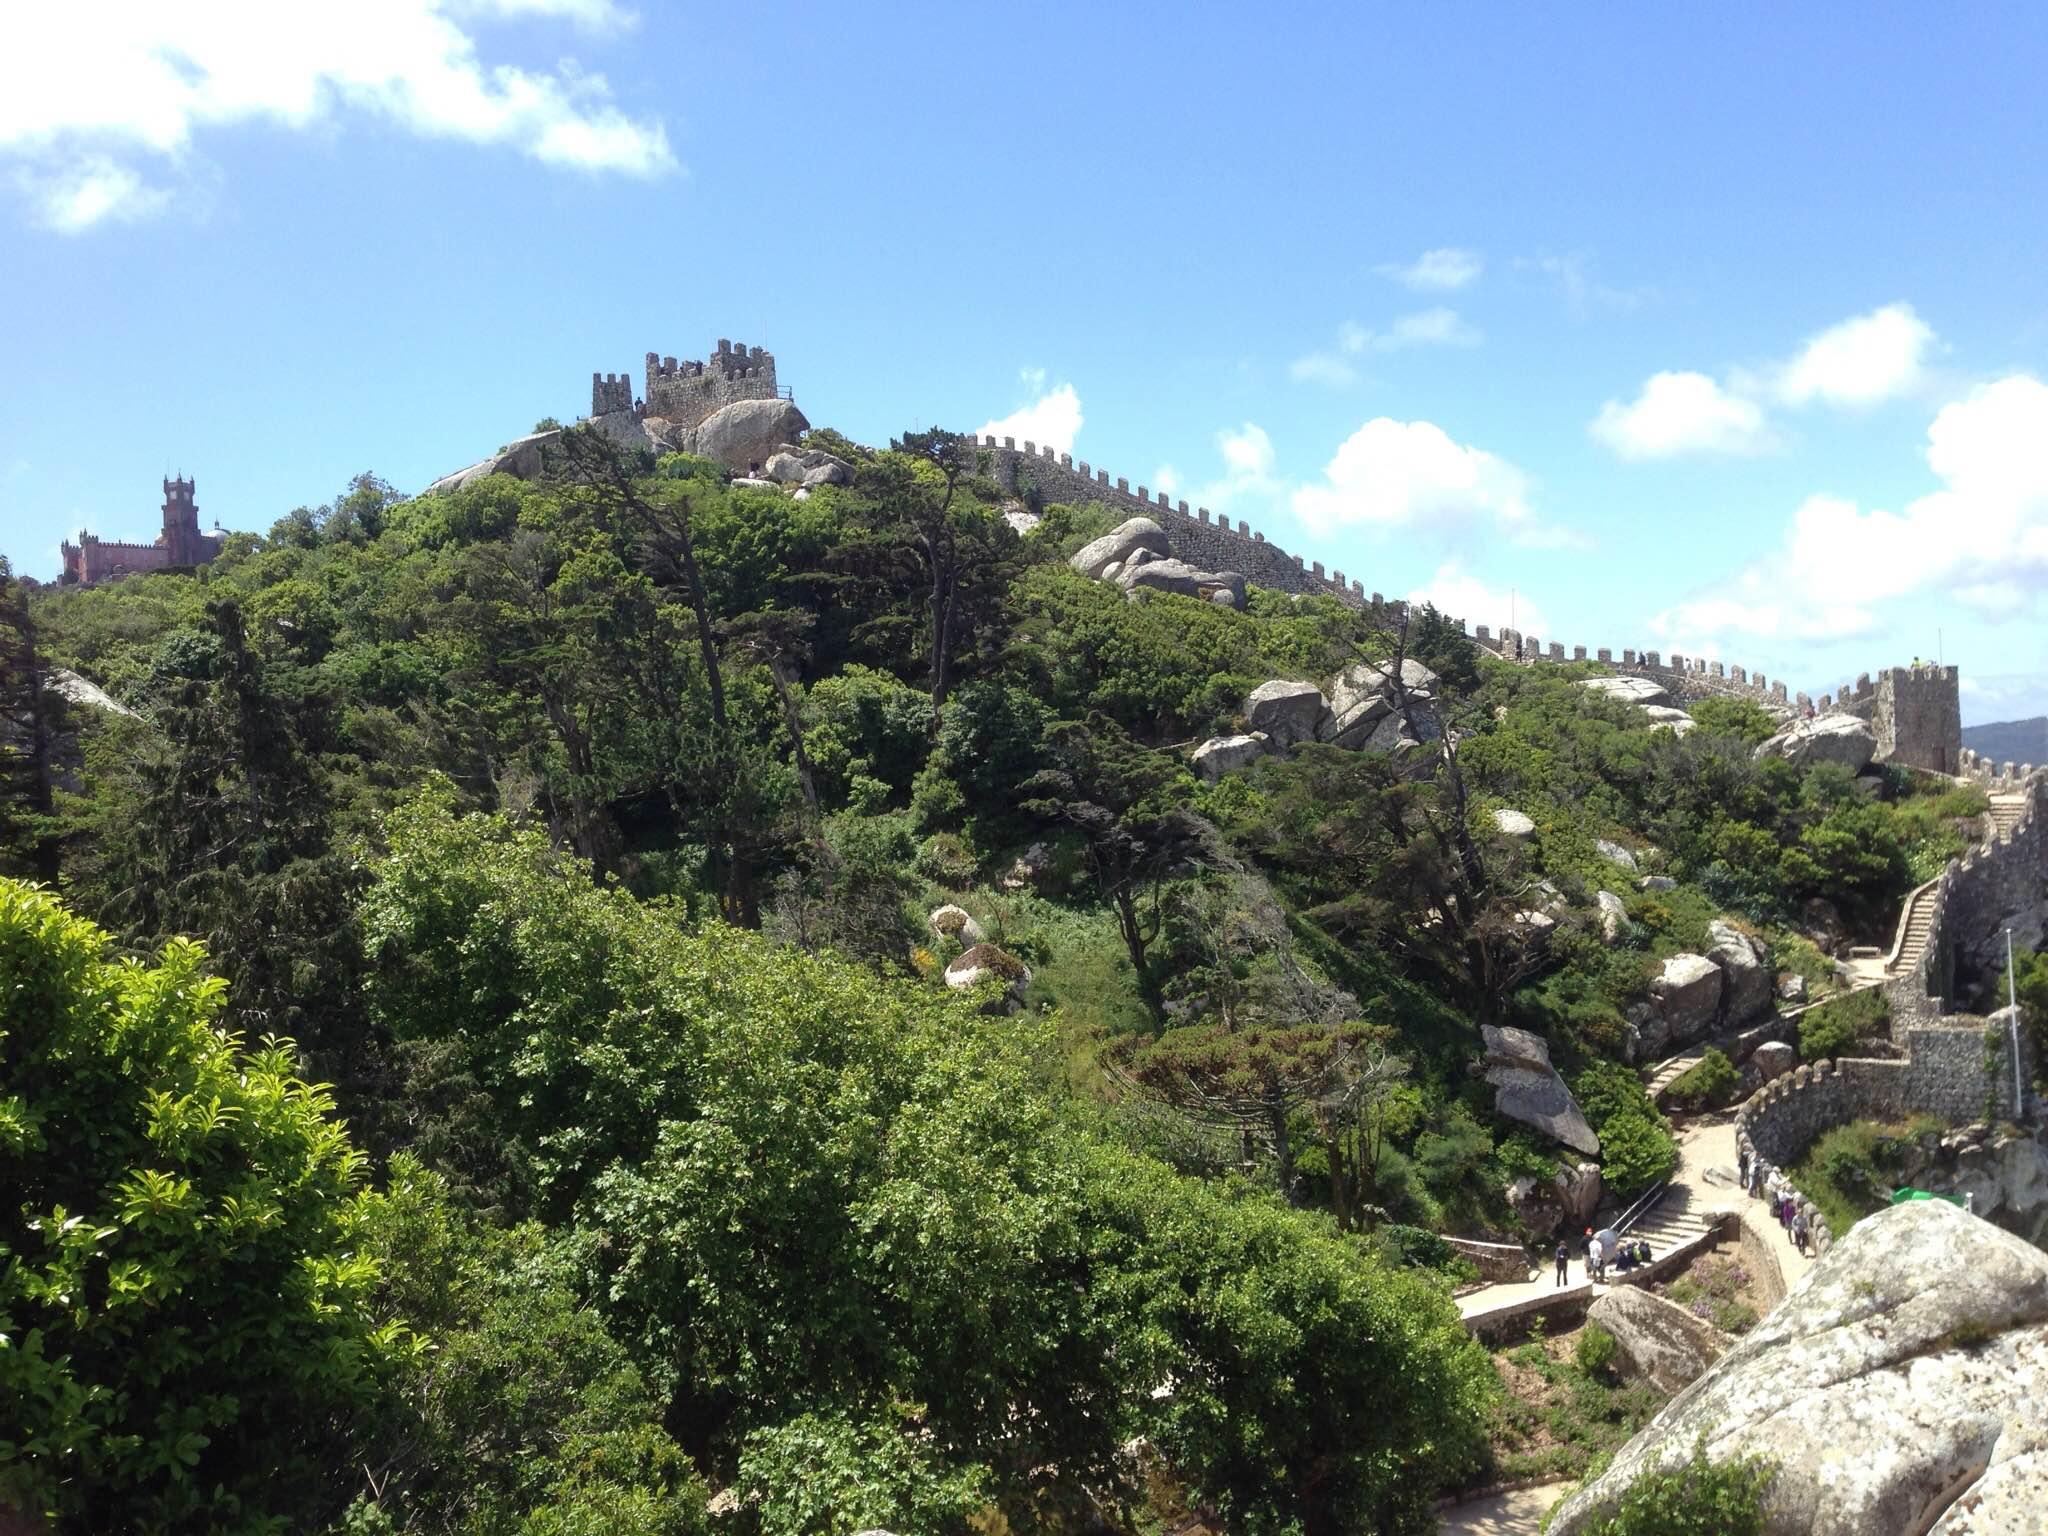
x=1436, y=327
x=1052, y=420
x=95, y=101
x=1873, y=357
x=1325, y=368
x=1389, y=474
x=1458, y=593
x=1980, y=538
x=1572, y=277
x=1445, y=268
x=1679, y=413
x=1248, y=477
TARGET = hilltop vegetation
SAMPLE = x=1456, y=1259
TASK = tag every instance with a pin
x=582, y=836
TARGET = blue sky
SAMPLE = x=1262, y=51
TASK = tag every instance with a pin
x=1720, y=332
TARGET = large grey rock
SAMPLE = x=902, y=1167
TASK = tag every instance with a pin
x=784, y=468
x=1228, y=754
x=833, y=473
x=73, y=689
x=985, y=962
x=1363, y=695
x=1675, y=720
x=1613, y=916
x=1579, y=1188
x=1745, y=972
x=1773, y=1059
x=954, y=922
x=1513, y=824
x=1659, y=1341
x=1825, y=739
x=520, y=458
x=1898, y=1389
x=1528, y=1089
x=1114, y=547
x=1169, y=575
x=747, y=432
x=1684, y=1003
x=1614, y=853
x=1287, y=712
x=1630, y=690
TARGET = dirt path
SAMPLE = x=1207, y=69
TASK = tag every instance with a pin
x=1505, y=1514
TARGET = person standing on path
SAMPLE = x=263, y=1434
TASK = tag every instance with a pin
x=1564, y=1263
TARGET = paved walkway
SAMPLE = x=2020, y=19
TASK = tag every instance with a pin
x=1505, y=1514
x=1702, y=1187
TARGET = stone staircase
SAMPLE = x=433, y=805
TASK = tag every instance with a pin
x=1671, y=1224
x=2006, y=811
x=1918, y=925
x=1672, y=1068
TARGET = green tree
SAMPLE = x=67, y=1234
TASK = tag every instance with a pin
x=30, y=720
x=184, y=1298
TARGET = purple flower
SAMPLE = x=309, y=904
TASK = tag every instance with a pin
x=1701, y=1309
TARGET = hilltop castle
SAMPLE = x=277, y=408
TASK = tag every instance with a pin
x=94, y=559
x=684, y=393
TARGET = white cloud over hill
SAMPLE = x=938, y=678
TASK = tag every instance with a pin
x=99, y=104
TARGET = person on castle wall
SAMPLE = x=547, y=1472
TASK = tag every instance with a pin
x=1564, y=1261
x=1799, y=1230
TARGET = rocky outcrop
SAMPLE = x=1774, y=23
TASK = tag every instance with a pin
x=522, y=459
x=1657, y=1341
x=1528, y=1089
x=1228, y=754
x=953, y=922
x=1840, y=739
x=1287, y=712
x=73, y=689
x=1773, y=1059
x=1029, y=870
x=1513, y=824
x=1629, y=690
x=1675, y=720
x=811, y=468
x=1169, y=575
x=985, y=962
x=1362, y=703
x=745, y=433
x=1613, y=916
x=1684, y=1003
x=1747, y=982
x=2003, y=1173
x=1579, y=1188
x=1615, y=854
x=1116, y=547
x=1897, y=1389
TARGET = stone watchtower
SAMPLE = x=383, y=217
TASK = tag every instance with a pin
x=684, y=393
x=182, y=541
x=1918, y=718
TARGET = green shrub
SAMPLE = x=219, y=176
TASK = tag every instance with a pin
x=947, y=859
x=185, y=1289
x=1636, y=1148
x=1827, y=1030
x=1711, y=1081
x=1595, y=1350
x=1699, y=1498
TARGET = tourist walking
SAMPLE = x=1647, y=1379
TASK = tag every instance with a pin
x=1564, y=1262
x=1742, y=1169
x=1799, y=1230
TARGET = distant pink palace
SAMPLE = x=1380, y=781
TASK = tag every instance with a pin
x=180, y=545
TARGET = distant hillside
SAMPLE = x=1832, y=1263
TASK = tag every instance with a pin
x=2016, y=741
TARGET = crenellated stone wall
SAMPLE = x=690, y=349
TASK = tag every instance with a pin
x=1689, y=677
x=1196, y=536
x=2001, y=881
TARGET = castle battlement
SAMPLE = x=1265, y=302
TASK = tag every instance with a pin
x=94, y=559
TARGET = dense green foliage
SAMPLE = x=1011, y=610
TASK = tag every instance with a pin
x=1831, y=1028
x=183, y=1303
x=1712, y=1081
x=584, y=834
x=1699, y=1498
x=1850, y=1170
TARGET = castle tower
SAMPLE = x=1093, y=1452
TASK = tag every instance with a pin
x=183, y=544
x=686, y=392
x=1918, y=718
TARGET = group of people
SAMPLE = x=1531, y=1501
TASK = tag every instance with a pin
x=1772, y=1186
x=1629, y=1253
